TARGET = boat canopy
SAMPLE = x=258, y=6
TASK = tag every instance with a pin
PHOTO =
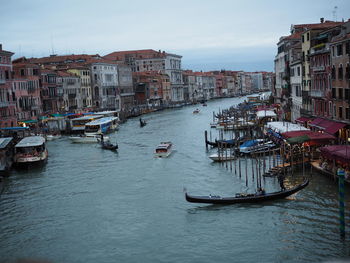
x=31, y=141
x=101, y=121
x=4, y=142
x=340, y=153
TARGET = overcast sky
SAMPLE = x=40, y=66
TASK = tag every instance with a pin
x=227, y=34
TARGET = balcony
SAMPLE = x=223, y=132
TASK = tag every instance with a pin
x=317, y=93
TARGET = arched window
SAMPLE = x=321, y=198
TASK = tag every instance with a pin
x=333, y=72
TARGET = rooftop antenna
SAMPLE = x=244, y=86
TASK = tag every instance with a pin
x=335, y=13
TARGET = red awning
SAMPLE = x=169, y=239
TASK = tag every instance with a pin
x=292, y=134
x=303, y=119
x=336, y=126
x=339, y=153
x=315, y=122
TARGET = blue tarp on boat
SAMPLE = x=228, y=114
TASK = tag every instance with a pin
x=249, y=143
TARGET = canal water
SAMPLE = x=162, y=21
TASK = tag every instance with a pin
x=92, y=205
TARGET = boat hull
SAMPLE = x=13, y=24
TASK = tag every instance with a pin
x=253, y=198
x=86, y=139
x=222, y=158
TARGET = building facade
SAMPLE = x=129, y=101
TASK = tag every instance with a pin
x=7, y=96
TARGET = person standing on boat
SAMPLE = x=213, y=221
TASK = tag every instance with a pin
x=281, y=181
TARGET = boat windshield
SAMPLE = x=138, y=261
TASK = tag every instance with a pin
x=161, y=150
x=92, y=128
x=30, y=150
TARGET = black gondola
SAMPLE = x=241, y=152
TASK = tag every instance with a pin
x=109, y=146
x=230, y=143
x=142, y=123
x=246, y=198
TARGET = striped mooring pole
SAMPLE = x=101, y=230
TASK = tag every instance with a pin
x=341, y=174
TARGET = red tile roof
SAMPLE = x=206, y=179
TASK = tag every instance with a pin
x=138, y=54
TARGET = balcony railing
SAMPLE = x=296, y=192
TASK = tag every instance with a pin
x=317, y=93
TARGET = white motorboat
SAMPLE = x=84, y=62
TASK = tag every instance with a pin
x=256, y=146
x=51, y=137
x=164, y=149
x=88, y=138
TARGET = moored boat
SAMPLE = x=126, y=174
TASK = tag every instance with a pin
x=6, y=153
x=222, y=157
x=246, y=198
x=256, y=146
x=164, y=149
x=30, y=150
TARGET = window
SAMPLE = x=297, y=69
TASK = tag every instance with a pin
x=347, y=48
x=302, y=38
x=333, y=53
x=347, y=94
x=339, y=50
x=347, y=113
x=340, y=93
x=298, y=69
x=347, y=71
x=340, y=72
x=340, y=112
x=334, y=92
x=333, y=72
x=308, y=36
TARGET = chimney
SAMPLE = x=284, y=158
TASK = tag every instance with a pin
x=321, y=19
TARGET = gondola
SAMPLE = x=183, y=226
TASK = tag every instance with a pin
x=109, y=146
x=246, y=198
x=230, y=143
x=142, y=123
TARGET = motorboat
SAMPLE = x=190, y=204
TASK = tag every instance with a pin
x=51, y=137
x=30, y=150
x=164, y=149
x=88, y=138
x=256, y=146
x=196, y=111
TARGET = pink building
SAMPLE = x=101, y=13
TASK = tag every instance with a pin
x=27, y=90
x=7, y=97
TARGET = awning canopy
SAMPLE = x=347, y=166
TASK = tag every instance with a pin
x=328, y=126
x=265, y=113
x=303, y=119
x=336, y=126
x=308, y=136
x=340, y=153
x=29, y=121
